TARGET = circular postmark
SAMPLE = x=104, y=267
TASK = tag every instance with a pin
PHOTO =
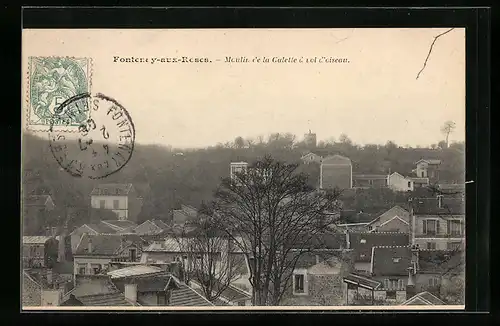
x=103, y=143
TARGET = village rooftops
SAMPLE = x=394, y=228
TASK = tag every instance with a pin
x=390, y=260
x=362, y=243
x=112, y=189
x=105, y=244
x=36, y=239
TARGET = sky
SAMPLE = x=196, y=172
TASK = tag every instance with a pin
x=373, y=98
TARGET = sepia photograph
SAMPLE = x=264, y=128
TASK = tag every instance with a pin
x=240, y=169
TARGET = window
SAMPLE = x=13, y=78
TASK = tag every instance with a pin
x=396, y=260
x=430, y=227
x=422, y=174
x=431, y=245
x=390, y=284
x=162, y=299
x=81, y=269
x=453, y=245
x=351, y=286
x=96, y=269
x=434, y=281
x=455, y=227
x=370, y=182
x=390, y=295
x=409, y=184
x=132, y=254
x=102, y=204
x=362, y=241
x=116, y=204
x=298, y=284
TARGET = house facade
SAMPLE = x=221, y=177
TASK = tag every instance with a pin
x=237, y=167
x=398, y=182
x=336, y=172
x=311, y=157
x=438, y=223
x=122, y=199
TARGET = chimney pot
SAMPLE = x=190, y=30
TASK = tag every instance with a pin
x=89, y=249
x=131, y=292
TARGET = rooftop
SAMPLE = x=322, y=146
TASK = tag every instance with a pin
x=106, y=299
x=424, y=298
x=430, y=206
x=106, y=244
x=134, y=271
x=429, y=161
x=336, y=159
x=362, y=281
x=391, y=261
x=36, y=239
x=187, y=297
x=112, y=189
x=119, y=224
x=363, y=242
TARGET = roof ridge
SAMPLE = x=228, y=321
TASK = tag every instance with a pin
x=387, y=247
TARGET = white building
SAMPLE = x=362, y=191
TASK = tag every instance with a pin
x=397, y=182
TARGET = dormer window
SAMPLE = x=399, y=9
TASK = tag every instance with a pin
x=362, y=241
x=396, y=260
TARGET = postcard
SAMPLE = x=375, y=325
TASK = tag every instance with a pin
x=243, y=169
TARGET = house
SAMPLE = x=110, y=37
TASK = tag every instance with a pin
x=438, y=223
x=39, y=251
x=398, y=182
x=362, y=243
x=317, y=279
x=427, y=168
x=423, y=299
x=122, y=199
x=335, y=172
x=396, y=219
x=94, y=253
x=369, y=180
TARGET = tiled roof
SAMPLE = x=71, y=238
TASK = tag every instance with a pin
x=111, y=189
x=362, y=281
x=120, y=224
x=35, y=239
x=362, y=243
x=151, y=227
x=107, y=300
x=441, y=261
x=106, y=244
x=36, y=200
x=187, y=297
x=391, y=261
x=430, y=206
x=394, y=211
x=329, y=240
x=136, y=270
x=230, y=293
x=92, y=284
x=167, y=245
x=425, y=298
x=154, y=284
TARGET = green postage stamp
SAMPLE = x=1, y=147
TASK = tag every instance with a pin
x=52, y=83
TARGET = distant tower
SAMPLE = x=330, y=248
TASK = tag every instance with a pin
x=310, y=139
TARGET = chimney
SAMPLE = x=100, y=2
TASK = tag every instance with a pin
x=89, y=247
x=414, y=258
x=131, y=292
x=347, y=239
x=410, y=287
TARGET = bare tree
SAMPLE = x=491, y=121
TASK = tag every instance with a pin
x=448, y=128
x=273, y=216
x=207, y=258
x=344, y=139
